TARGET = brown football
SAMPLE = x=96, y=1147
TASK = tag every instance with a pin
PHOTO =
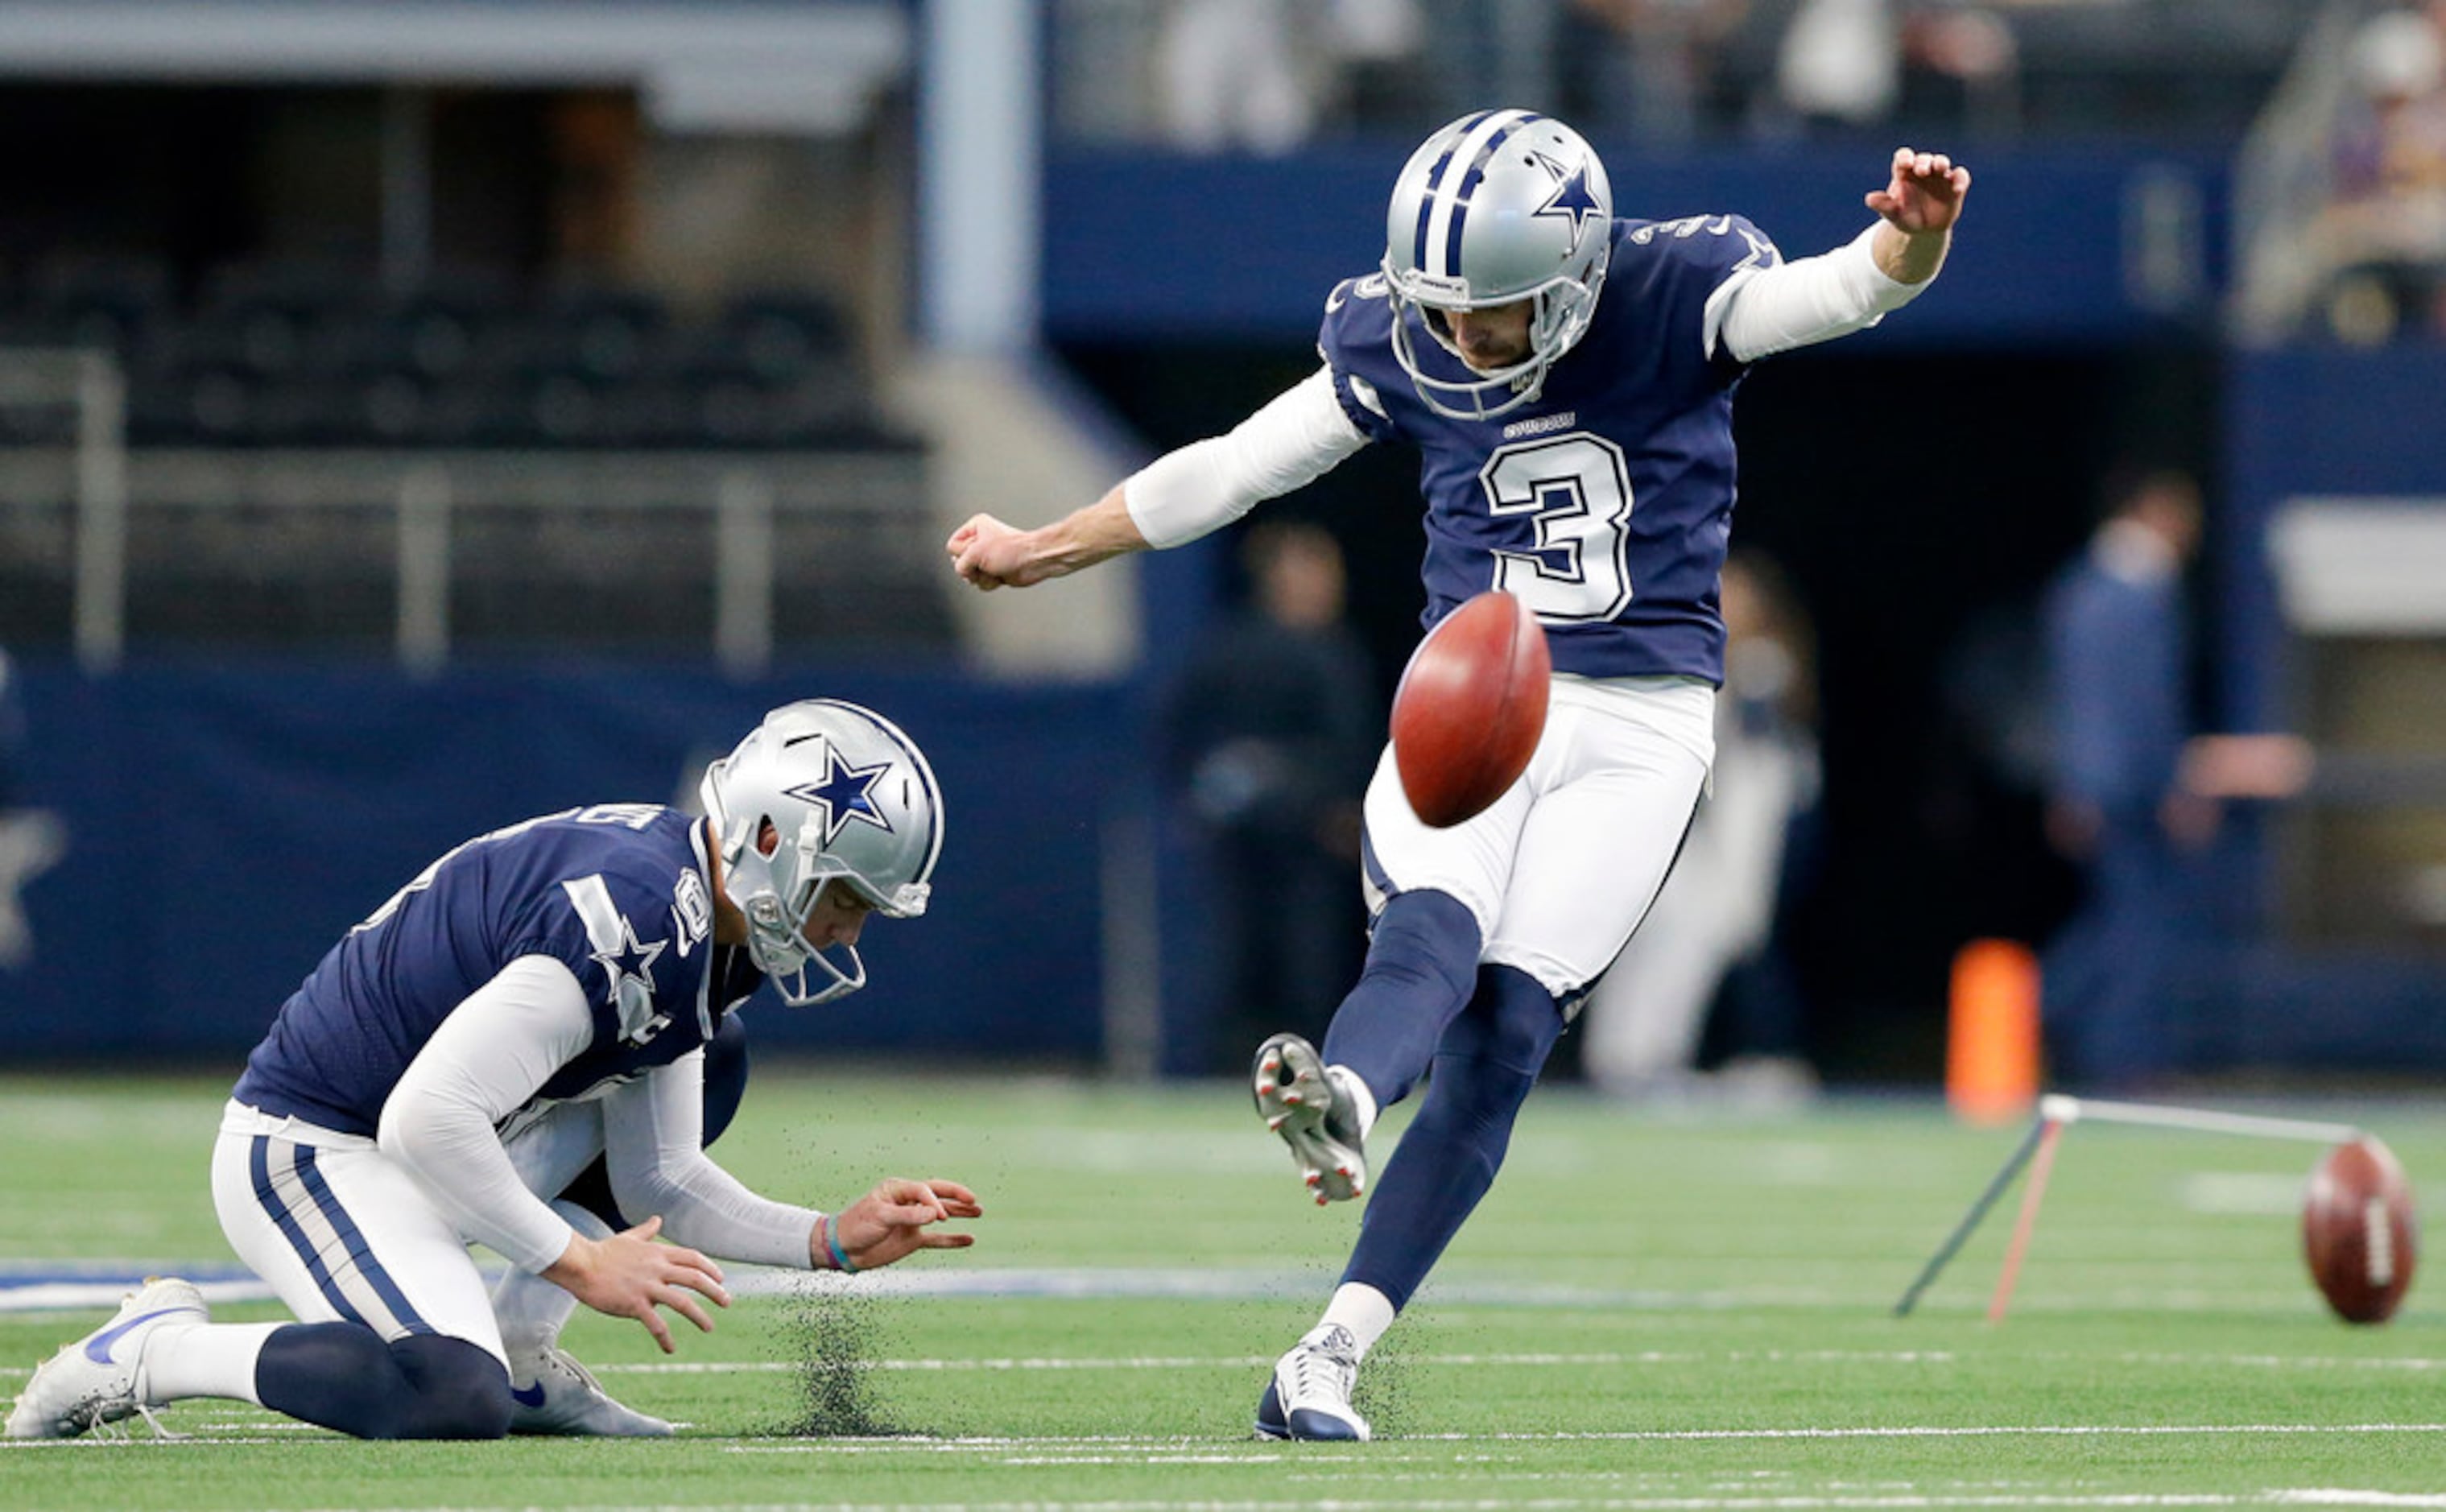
x=1471, y=707
x=2358, y=1231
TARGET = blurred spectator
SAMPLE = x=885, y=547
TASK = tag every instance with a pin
x=1231, y=75
x=2135, y=800
x=1840, y=62
x=2381, y=237
x=1271, y=734
x=1712, y=936
x=1379, y=48
x=1261, y=75
x=1644, y=66
x=1961, y=71
x=1845, y=64
x=32, y=840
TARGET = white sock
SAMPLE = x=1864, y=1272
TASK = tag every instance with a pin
x=1363, y=1311
x=531, y=1310
x=1346, y=1083
x=204, y=1359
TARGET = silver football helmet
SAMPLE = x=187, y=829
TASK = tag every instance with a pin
x=1499, y=206
x=849, y=798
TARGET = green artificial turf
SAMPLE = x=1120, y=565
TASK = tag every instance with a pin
x=1653, y=1311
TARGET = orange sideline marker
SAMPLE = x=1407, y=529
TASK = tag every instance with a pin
x=1991, y=1059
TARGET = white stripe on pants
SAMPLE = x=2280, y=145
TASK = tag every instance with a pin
x=382, y=1247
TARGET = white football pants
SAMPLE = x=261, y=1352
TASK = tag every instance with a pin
x=342, y=1232
x=1560, y=870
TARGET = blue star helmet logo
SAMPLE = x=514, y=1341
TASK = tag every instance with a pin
x=845, y=794
x=628, y=960
x=1571, y=197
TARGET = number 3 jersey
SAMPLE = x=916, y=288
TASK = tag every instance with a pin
x=617, y=893
x=1607, y=502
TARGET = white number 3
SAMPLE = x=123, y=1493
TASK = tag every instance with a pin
x=1576, y=491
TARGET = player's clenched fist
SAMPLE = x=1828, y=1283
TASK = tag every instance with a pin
x=986, y=553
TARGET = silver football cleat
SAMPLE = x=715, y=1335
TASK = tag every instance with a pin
x=100, y=1379
x=551, y=1393
x=1309, y=1394
x=1298, y=1098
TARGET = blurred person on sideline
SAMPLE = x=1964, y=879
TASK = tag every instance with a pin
x=2382, y=236
x=1551, y=365
x=2136, y=799
x=529, y=1046
x=1713, y=933
x=32, y=840
x=1269, y=734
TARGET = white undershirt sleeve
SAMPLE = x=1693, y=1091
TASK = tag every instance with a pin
x=1298, y=437
x=654, y=1141
x=492, y=1054
x=1759, y=311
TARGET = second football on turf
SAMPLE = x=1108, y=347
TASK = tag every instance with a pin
x=1471, y=707
x=2357, y=1231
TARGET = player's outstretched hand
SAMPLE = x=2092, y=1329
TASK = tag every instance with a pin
x=892, y=1222
x=1923, y=195
x=989, y=554
x=629, y=1276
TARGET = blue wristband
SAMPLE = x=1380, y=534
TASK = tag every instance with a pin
x=832, y=1244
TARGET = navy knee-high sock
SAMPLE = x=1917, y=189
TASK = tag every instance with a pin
x=725, y=1087
x=1422, y=961
x=342, y=1377
x=1447, y=1159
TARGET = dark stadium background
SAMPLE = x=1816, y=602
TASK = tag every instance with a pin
x=262, y=765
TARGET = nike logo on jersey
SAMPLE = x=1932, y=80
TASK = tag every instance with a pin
x=528, y=1395
x=97, y=1348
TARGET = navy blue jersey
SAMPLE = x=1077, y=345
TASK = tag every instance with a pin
x=616, y=893
x=1605, y=504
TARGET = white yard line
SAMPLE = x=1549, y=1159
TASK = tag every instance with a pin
x=1589, y=1359
x=1125, y=1443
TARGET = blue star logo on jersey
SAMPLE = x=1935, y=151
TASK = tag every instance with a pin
x=845, y=794
x=1571, y=197
x=628, y=961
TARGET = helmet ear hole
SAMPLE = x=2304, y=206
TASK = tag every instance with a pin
x=768, y=839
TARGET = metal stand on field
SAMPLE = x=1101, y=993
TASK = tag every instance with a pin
x=2037, y=1152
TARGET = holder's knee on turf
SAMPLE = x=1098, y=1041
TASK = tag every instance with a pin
x=342, y=1377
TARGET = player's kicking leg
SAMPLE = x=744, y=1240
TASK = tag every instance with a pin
x=1421, y=963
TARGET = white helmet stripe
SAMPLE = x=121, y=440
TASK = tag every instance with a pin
x=1440, y=208
x=1462, y=192
x=1427, y=195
